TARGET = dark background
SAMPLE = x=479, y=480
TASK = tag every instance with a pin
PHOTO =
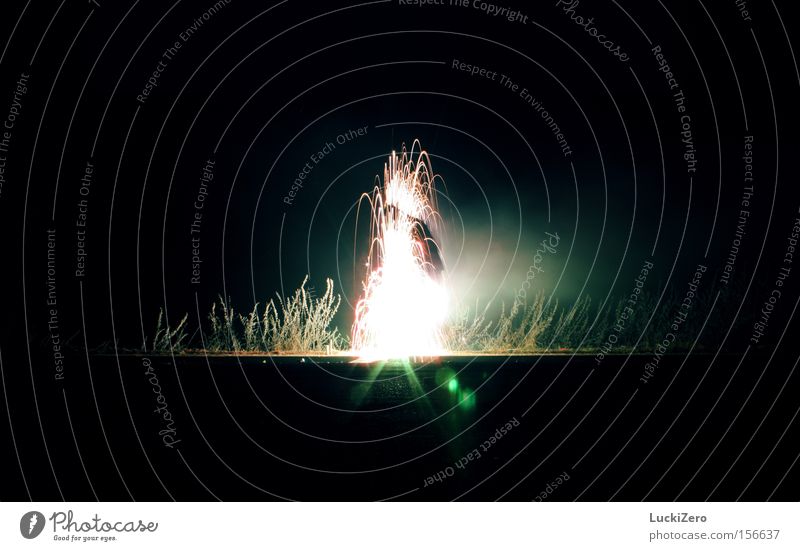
x=260, y=90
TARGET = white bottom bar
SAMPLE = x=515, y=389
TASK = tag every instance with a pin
x=400, y=526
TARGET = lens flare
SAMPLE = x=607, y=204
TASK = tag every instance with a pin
x=405, y=300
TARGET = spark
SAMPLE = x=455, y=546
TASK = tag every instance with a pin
x=34, y=520
x=405, y=300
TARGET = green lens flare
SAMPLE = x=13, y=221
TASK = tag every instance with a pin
x=466, y=399
x=452, y=385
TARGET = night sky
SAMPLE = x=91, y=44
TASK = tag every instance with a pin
x=532, y=127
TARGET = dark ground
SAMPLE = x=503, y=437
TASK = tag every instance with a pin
x=253, y=428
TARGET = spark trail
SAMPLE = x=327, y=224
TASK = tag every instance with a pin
x=405, y=300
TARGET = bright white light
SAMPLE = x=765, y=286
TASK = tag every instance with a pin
x=405, y=301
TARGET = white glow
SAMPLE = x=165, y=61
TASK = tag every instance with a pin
x=405, y=301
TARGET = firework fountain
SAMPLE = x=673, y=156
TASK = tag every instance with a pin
x=405, y=301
